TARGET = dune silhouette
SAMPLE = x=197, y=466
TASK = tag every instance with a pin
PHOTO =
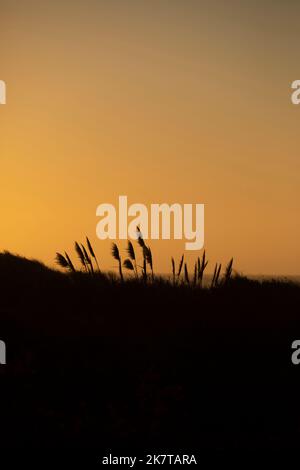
x=94, y=362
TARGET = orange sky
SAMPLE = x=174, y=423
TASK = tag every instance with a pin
x=182, y=101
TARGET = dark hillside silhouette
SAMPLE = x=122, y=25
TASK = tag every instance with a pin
x=97, y=363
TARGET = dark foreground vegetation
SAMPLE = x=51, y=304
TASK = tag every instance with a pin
x=97, y=364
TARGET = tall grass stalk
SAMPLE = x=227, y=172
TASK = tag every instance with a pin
x=88, y=260
x=180, y=267
x=81, y=256
x=186, y=274
x=116, y=254
x=132, y=257
x=173, y=270
x=92, y=253
x=228, y=271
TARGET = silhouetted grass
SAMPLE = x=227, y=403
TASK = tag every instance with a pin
x=131, y=264
x=94, y=362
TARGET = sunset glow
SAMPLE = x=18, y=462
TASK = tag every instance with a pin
x=162, y=104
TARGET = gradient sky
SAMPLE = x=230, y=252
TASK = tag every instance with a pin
x=163, y=101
